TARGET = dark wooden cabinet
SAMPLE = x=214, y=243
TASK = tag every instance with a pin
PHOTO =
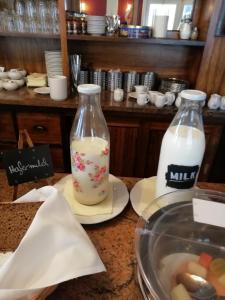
x=150, y=138
x=123, y=147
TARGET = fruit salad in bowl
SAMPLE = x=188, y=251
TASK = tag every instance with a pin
x=179, y=258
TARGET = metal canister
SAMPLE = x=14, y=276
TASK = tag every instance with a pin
x=98, y=77
x=148, y=79
x=84, y=77
x=114, y=80
x=131, y=79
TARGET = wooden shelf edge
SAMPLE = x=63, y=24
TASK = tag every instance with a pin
x=30, y=35
x=116, y=39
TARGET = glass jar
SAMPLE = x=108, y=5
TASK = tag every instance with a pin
x=183, y=146
x=90, y=148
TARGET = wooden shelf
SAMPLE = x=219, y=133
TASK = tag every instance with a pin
x=30, y=35
x=153, y=41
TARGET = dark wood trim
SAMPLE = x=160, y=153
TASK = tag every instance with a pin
x=154, y=41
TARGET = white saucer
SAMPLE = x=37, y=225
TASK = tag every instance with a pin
x=45, y=90
x=120, y=200
x=132, y=95
x=142, y=194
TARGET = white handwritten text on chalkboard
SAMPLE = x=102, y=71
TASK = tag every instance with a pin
x=20, y=168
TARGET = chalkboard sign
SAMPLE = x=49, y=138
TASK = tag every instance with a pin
x=28, y=164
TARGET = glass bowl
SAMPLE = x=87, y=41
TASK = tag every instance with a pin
x=167, y=236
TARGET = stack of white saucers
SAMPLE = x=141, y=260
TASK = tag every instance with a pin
x=96, y=25
x=53, y=61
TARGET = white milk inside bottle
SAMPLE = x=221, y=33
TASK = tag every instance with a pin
x=90, y=169
x=190, y=146
x=182, y=147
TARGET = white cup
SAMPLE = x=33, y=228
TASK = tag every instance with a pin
x=160, y=26
x=140, y=88
x=222, y=103
x=58, y=87
x=118, y=95
x=214, y=101
x=142, y=98
x=178, y=101
x=153, y=96
x=170, y=97
x=160, y=100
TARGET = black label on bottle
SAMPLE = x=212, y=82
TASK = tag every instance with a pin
x=181, y=177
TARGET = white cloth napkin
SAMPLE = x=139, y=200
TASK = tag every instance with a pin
x=54, y=249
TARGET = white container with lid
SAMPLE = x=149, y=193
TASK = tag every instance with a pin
x=183, y=146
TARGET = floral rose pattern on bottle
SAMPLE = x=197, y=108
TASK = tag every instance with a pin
x=90, y=168
x=79, y=162
x=99, y=175
x=105, y=151
x=77, y=185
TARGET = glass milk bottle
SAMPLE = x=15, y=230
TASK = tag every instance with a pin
x=89, y=148
x=183, y=146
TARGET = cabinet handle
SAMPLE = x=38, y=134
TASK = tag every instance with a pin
x=40, y=128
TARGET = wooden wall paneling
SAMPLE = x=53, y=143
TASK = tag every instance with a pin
x=63, y=38
x=203, y=14
x=123, y=145
x=211, y=76
x=166, y=60
x=27, y=53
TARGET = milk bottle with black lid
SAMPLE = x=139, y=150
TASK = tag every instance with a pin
x=183, y=146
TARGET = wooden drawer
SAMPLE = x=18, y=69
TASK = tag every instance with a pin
x=7, y=132
x=42, y=127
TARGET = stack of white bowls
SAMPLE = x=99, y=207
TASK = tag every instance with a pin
x=96, y=25
x=53, y=61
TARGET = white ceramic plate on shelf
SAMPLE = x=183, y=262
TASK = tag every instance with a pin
x=120, y=200
x=45, y=90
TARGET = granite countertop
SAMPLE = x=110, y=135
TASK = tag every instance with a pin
x=114, y=241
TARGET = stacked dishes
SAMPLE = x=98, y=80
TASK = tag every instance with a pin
x=53, y=62
x=96, y=25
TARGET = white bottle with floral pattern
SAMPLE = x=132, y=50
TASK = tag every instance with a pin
x=90, y=148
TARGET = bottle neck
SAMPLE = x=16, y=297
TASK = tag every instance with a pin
x=89, y=100
x=189, y=114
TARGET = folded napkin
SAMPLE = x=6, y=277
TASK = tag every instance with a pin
x=65, y=185
x=54, y=249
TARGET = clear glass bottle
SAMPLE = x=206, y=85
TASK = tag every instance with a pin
x=183, y=146
x=90, y=148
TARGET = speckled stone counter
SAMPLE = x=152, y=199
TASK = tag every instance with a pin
x=114, y=241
